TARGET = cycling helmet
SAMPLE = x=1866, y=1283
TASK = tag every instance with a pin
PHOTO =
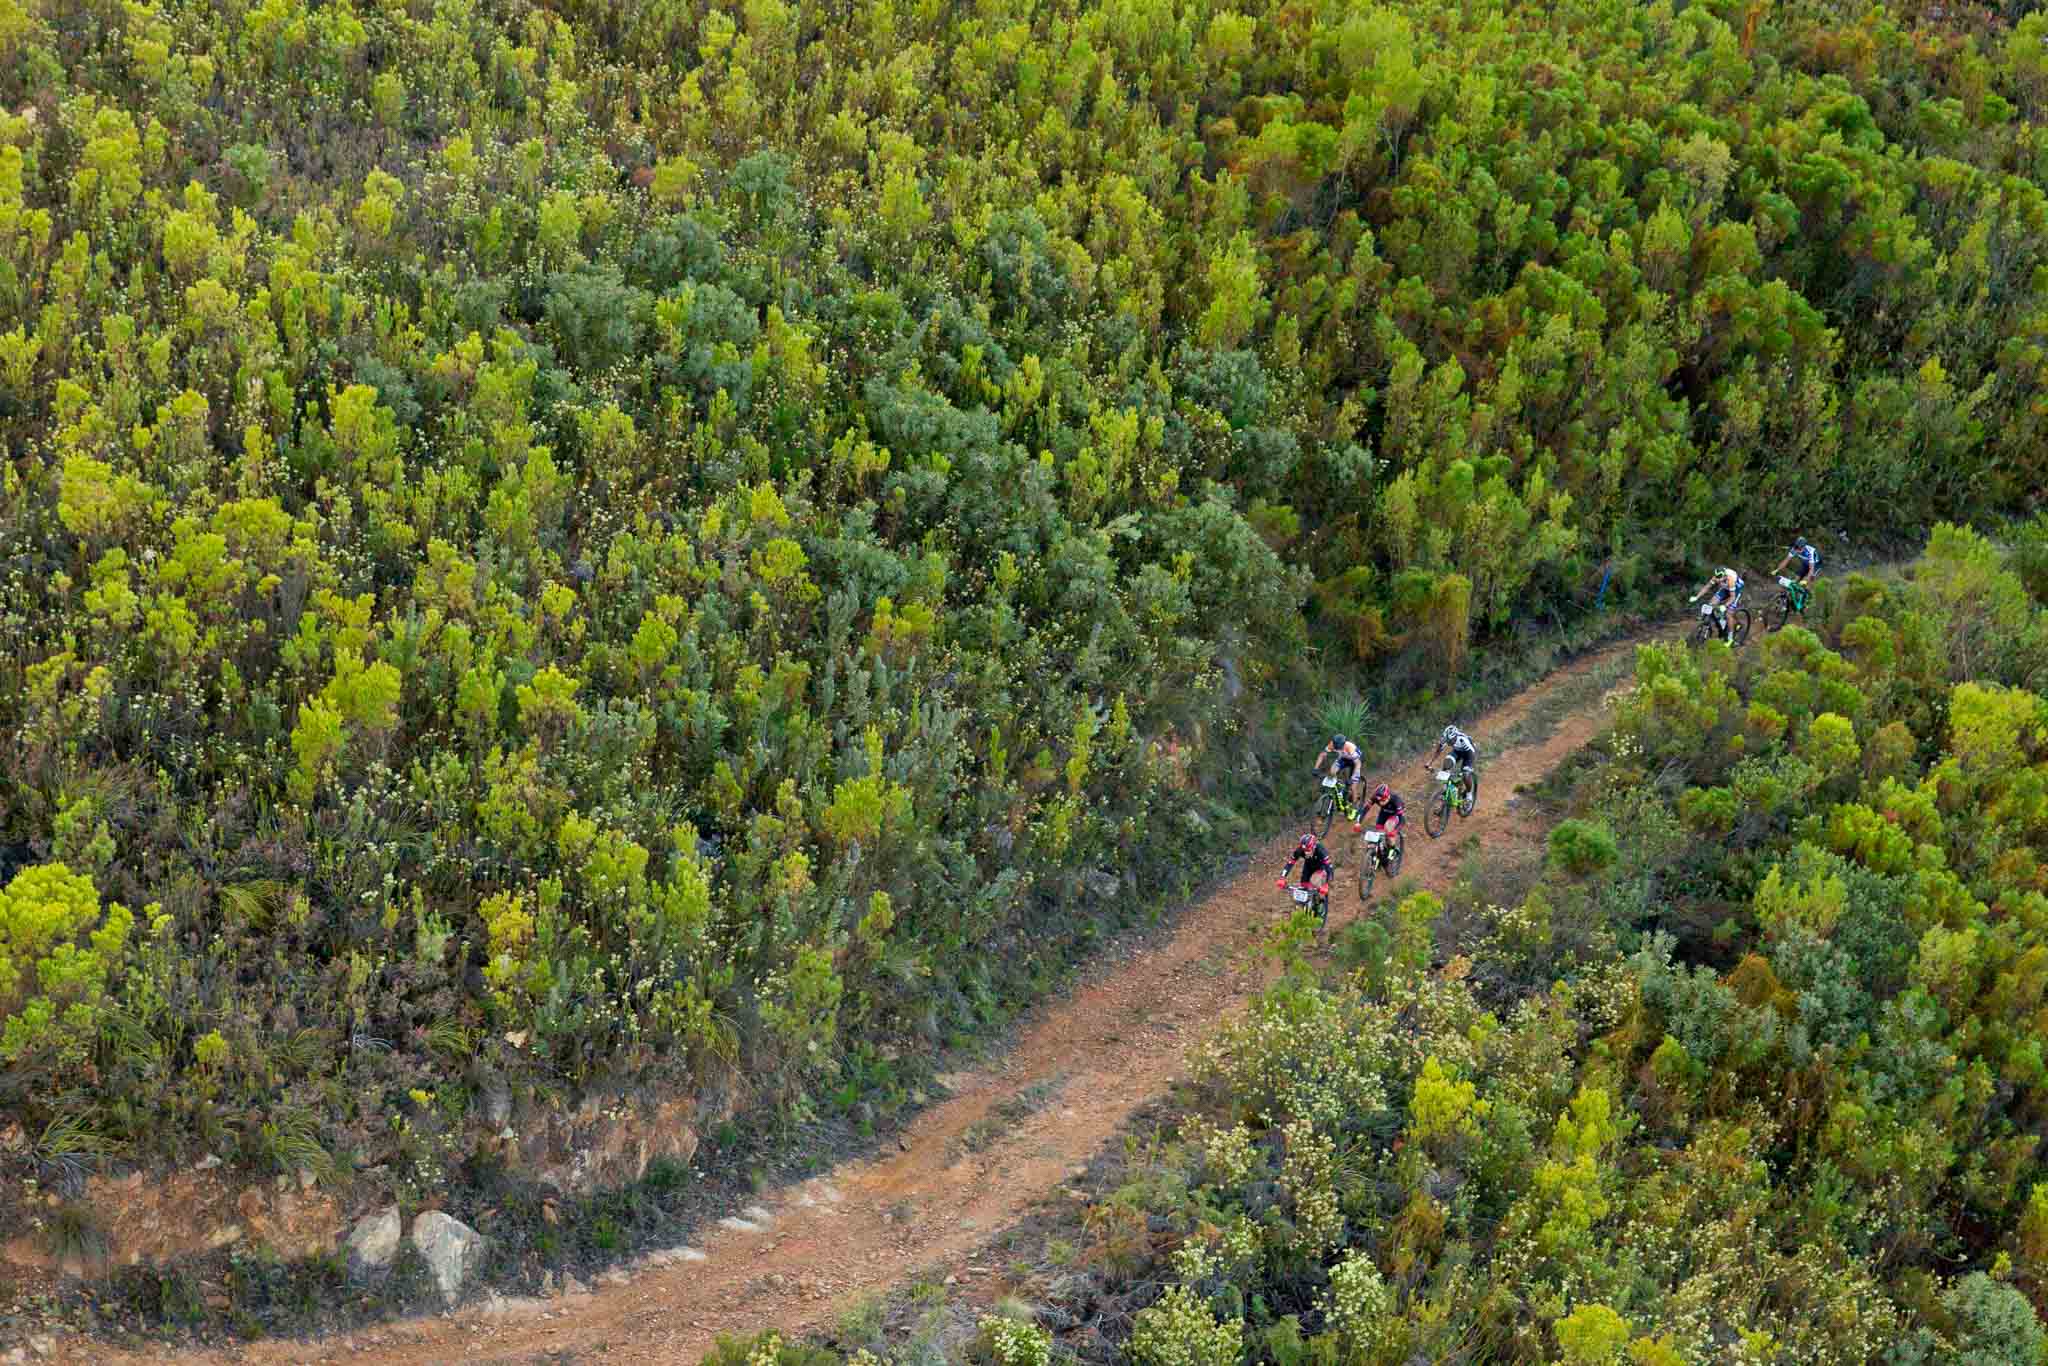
x=1451, y=734
x=1337, y=742
x=1308, y=840
x=1799, y=543
x=1380, y=794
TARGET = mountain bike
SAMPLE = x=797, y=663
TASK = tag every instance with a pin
x=1457, y=790
x=1317, y=899
x=1334, y=797
x=1378, y=853
x=1794, y=599
x=1709, y=627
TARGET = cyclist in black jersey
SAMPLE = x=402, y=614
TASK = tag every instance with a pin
x=1392, y=809
x=1314, y=860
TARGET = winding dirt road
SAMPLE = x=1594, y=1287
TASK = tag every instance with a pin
x=1006, y=1138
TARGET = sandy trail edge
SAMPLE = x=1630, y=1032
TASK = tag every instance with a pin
x=1091, y=1060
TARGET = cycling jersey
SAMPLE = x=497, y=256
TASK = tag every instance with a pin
x=1316, y=860
x=1347, y=758
x=1808, y=557
x=1391, y=808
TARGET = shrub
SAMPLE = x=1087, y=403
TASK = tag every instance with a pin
x=52, y=986
x=1011, y=1342
x=1182, y=1331
x=1581, y=847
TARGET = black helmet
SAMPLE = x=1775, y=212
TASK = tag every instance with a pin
x=1337, y=742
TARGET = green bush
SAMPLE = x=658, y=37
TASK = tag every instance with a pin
x=1580, y=847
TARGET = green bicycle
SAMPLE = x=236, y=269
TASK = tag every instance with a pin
x=1793, y=599
x=1458, y=790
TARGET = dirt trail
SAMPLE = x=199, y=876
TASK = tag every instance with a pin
x=1007, y=1137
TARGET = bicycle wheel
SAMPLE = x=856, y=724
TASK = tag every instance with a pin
x=1326, y=811
x=1778, y=613
x=1394, y=856
x=1703, y=632
x=1437, y=819
x=1742, y=621
x=1471, y=802
x=1366, y=870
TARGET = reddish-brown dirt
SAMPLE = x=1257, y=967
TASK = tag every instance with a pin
x=972, y=1164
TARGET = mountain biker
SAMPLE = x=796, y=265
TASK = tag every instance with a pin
x=1805, y=556
x=1391, y=810
x=1314, y=860
x=1347, y=763
x=1461, y=748
x=1726, y=586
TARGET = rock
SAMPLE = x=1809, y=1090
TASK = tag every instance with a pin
x=452, y=1250
x=16, y=1357
x=306, y=1179
x=1104, y=886
x=222, y=1236
x=42, y=1344
x=372, y=1244
x=497, y=1102
x=206, y=1163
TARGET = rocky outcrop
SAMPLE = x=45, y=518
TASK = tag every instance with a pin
x=452, y=1250
x=373, y=1243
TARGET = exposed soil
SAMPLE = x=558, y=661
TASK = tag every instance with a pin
x=1008, y=1136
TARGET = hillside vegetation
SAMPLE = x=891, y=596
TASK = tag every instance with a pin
x=597, y=549
x=1751, y=1071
